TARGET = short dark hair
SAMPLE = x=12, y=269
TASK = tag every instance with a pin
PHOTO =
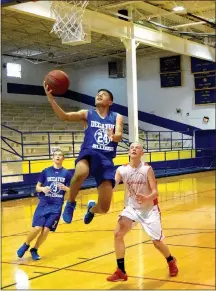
x=110, y=94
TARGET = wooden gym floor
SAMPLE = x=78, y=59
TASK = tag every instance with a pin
x=81, y=256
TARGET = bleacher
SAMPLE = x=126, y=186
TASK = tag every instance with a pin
x=162, y=140
x=30, y=132
x=22, y=119
x=40, y=119
x=37, y=118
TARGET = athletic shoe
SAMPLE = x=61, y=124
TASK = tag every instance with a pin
x=89, y=216
x=34, y=254
x=173, y=269
x=68, y=211
x=117, y=276
x=21, y=251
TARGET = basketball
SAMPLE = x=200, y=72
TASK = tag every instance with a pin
x=57, y=81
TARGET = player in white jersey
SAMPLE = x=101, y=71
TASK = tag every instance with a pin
x=141, y=206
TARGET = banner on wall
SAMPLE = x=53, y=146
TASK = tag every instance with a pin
x=170, y=79
x=199, y=66
x=170, y=64
x=207, y=96
x=204, y=81
x=170, y=71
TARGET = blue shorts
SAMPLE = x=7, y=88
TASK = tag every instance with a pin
x=101, y=167
x=45, y=218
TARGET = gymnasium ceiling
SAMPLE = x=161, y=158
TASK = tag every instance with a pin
x=29, y=37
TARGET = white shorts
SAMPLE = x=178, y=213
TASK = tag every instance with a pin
x=150, y=220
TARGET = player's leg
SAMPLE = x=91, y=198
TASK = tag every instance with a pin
x=164, y=250
x=152, y=225
x=81, y=173
x=30, y=237
x=33, y=234
x=37, y=225
x=50, y=224
x=105, y=179
x=105, y=191
x=41, y=238
x=124, y=225
x=161, y=247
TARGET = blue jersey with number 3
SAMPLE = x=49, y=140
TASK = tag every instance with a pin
x=96, y=135
x=51, y=177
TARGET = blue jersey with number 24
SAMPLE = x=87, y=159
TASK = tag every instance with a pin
x=96, y=135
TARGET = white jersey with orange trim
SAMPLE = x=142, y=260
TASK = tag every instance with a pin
x=136, y=182
x=147, y=214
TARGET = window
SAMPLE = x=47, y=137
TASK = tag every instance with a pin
x=13, y=70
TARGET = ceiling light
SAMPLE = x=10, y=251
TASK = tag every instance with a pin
x=178, y=8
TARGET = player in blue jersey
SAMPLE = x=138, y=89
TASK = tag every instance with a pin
x=103, y=131
x=52, y=185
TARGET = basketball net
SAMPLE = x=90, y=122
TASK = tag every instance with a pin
x=69, y=18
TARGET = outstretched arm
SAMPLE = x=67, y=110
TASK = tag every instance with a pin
x=69, y=116
x=118, y=178
x=117, y=136
x=153, y=184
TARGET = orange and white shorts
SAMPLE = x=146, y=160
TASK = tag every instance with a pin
x=149, y=219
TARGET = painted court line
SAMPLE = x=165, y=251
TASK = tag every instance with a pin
x=144, y=278
x=97, y=257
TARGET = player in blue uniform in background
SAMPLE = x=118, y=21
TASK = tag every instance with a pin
x=52, y=185
x=103, y=131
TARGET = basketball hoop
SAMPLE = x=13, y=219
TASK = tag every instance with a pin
x=69, y=18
